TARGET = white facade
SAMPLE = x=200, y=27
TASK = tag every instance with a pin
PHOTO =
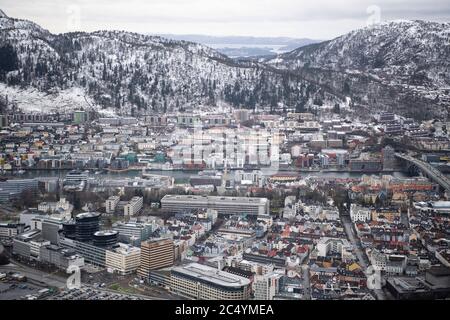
x=265, y=287
x=35, y=248
x=124, y=259
x=133, y=206
x=333, y=245
x=62, y=208
x=223, y=205
x=111, y=204
x=359, y=214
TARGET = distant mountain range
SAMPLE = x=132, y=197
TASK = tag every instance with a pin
x=134, y=73
x=397, y=66
x=243, y=47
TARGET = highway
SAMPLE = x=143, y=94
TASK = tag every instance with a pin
x=429, y=170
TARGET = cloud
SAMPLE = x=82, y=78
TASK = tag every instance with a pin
x=317, y=19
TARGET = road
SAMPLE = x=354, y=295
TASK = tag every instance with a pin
x=360, y=254
x=354, y=240
x=306, y=282
x=429, y=170
x=404, y=218
x=36, y=275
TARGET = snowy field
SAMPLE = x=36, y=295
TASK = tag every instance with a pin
x=35, y=101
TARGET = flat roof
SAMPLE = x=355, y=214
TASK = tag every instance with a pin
x=124, y=249
x=29, y=235
x=87, y=215
x=212, y=275
x=105, y=233
x=439, y=271
x=215, y=198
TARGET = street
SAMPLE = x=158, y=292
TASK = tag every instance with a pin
x=360, y=254
x=306, y=282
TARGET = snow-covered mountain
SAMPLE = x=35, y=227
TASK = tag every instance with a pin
x=397, y=66
x=139, y=73
x=407, y=57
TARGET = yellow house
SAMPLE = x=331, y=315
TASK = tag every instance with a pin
x=354, y=266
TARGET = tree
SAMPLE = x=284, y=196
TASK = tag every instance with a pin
x=337, y=108
x=8, y=59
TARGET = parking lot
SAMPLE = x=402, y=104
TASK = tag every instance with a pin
x=17, y=291
x=87, y=293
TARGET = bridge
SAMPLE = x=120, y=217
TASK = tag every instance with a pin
x=428, y=170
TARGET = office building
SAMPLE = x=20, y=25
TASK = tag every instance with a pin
x=134, y=232
x=76, y=176
x=202, y=282
x=86, y=224
x=155, y=254
x=133, y=207
x=10, y=230
x=60, y=257
x=69, y=229
x=91, y=254
x=21, y=243
x=123, y=259
x=12, y=189
x=50, y=229
x=106, y=238
x=223, y=205
x=111, y=204
x=265, y=287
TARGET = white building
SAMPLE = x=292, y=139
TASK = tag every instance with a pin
x=223, y=205
x=35, y=248
x=62, y=208
x=340, y=246
x=378, y=260
x=391, y=264
x=134, y=206
x=359, y=214
x=123, y=259
x=134, y=232
x=10, y=230
x=111, y=204
x=265, y=287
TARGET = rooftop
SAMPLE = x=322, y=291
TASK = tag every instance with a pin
x=215, y=198
x=213, y=275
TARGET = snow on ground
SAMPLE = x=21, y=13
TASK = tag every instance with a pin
x=35, y=101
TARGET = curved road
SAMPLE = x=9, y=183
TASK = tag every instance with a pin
x=429, y=170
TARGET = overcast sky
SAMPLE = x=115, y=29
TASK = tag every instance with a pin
x=318, y=19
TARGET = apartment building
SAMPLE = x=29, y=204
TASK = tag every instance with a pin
x=111, y=204
x=134, y=206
